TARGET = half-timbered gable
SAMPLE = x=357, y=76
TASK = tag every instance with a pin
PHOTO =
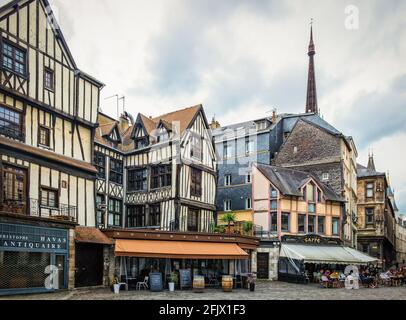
x=48, y=116
x=169, y=172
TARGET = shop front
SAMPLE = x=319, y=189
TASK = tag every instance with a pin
x=139, y=254
x=32, y=258
x=302, y=258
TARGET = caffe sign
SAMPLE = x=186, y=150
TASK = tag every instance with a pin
x=32, y=238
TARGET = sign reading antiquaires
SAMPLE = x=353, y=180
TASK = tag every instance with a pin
x=14, y=237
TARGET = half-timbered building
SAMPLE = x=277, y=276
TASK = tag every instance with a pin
x=156, y=192
x=48, y=116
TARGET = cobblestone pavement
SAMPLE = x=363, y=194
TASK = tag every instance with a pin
x=264, y=291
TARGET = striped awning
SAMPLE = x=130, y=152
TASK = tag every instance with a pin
x=328, y=254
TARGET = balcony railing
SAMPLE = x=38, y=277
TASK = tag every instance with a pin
x=34, y=208
x=261, y=233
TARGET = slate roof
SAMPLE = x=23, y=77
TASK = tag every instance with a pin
x=289, y=181
x=363, y=172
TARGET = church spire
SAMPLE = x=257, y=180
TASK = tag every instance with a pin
x=311, y=100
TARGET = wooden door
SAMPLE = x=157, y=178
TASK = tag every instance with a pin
x=89, y=265
x=263, y=265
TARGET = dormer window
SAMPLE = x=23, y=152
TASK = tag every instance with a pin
x=262, y=125
x=141, y=143
x=196, y=147
x=163, y=136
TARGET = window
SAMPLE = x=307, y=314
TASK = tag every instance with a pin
x=227, y=180
x=326, y=176
x=135, y=216
x=193, y=220
x=227, y=150
x=163, y=135
x=227, y=205
x=311, y=224
x=274, y=193
x=49, y=198
x=196, y=149
x=14, y=59
x=321, y=223
x=335, y=225
x=137, y=179
x=196, y=183
x=285, y=222
x=274, y=204
x=369, y=190
x=274, y=222
x=294, y=149
x=115, y=212
x=248, y=203
x=319, y=196
x=248, y=178
x=141, y=143
x=369, y=216
x=116, y=171
x=261, y=125
x=310, y=190
x=161, y=176
x=249, y=146
x=312, y=208
x=14, y=191
x=100, y=201
x=301, y=223
x=10, y=123
x=49, y=79
x=44, y=136
x=155, y=215
x=100, y=164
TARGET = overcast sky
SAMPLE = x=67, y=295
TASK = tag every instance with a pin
x=241, y=58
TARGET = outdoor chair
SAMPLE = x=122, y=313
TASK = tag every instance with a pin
x=143, y=284
x=325, y=282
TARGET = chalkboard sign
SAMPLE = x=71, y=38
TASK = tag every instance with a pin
x=155, y=282
x=185, y=276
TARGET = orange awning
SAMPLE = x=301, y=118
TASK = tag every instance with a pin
x=178, y=249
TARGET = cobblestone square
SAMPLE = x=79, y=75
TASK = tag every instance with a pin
x=264, y=291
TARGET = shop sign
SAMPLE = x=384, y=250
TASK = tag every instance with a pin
x=32, y=238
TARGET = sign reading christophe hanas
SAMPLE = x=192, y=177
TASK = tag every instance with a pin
x=32, y=238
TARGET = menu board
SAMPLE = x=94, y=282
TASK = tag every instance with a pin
x=185, y=276
x=155, y=282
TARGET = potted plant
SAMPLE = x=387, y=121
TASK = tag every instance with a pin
x=173, y=280
x=248, y=226
x=115, y=285
x=229, y=217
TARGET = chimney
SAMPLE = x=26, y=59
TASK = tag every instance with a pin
x=274, y=115
x=124, y=123
x=214, y=124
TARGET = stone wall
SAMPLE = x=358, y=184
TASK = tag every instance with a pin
x=71, y=264
x=273, y=261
